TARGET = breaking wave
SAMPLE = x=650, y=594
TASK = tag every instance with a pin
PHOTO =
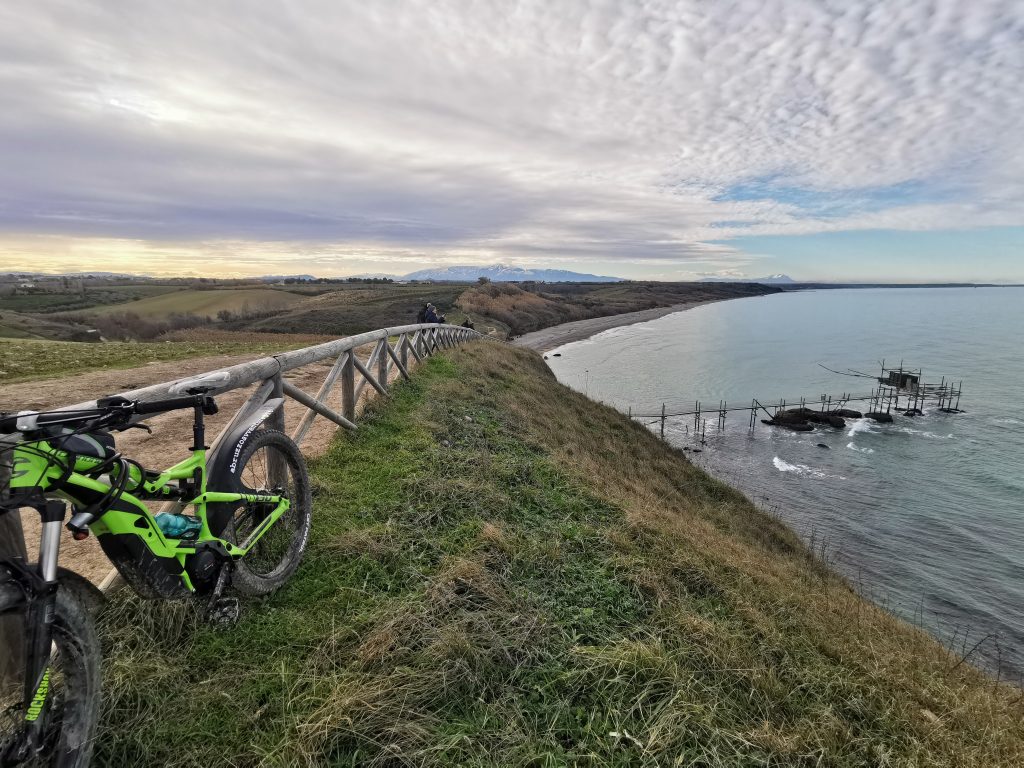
x=854, y=447
x=860, y=425
x=801, y=469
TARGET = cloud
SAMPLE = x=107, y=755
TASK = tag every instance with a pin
x=576, y=131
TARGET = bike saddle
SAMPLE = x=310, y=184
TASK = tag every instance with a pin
x=199, y=385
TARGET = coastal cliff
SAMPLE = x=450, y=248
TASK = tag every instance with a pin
x=503, y=572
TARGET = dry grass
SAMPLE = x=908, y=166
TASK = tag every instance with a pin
x=505, y=573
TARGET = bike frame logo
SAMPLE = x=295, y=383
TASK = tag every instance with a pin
x=15, y=472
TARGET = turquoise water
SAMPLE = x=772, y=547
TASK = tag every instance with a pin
x=926, y=515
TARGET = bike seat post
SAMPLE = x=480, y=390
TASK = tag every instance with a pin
x=199, y=431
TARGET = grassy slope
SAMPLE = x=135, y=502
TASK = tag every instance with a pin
x=352, y=309
x=543, y=305
x=503, y=572
x=18, y=325
x=23, y=360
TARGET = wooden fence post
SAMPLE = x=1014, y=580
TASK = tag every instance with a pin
x=403, y=351
x=662, y=421
x=348, y=388
x=278, y=469
x=383, y=361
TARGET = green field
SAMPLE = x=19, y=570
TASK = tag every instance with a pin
x=206, y=303
x=71, y=300
x=502, y=572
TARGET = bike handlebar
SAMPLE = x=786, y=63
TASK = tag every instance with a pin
x=108, y=410
x=173, y=404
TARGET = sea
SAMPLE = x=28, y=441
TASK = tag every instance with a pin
x=925, y=516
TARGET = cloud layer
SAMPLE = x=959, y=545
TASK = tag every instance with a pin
x=590, y=132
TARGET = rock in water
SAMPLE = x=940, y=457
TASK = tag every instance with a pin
x=881, y=418
x=822, y=445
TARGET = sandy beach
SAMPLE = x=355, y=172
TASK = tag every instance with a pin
x=548, y=338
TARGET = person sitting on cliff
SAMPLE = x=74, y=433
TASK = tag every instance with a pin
x=431, y=314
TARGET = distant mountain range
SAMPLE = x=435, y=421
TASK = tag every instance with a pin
x=770, y=280
x=501, y=273
x=282, y=278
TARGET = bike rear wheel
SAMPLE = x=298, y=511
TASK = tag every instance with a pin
x=270, y=463
x=73, y=700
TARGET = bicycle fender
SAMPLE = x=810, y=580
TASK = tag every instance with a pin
x=225, y=461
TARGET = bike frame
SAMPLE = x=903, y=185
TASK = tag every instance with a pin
x=42, y=471
x=38, y=465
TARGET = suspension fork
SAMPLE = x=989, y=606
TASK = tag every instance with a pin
x=41, y=586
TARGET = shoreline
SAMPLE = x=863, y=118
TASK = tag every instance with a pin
x=547, y=339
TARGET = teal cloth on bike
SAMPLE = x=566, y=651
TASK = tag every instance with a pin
x=177, y=526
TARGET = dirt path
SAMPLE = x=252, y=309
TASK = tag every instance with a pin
x=548, y=338
x=172, y=432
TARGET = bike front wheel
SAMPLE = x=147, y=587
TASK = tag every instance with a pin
x=73, y=699
x=270, y=463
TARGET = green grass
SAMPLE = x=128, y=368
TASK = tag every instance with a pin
x=27, y=359
x=502, y=572
x=13, y=332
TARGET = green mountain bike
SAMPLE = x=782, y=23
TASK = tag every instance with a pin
x=248, y=528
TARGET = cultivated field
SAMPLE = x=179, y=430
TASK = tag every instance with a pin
x=72, y=299
x=206, y=303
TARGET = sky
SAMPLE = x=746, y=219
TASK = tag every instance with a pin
x=847, y=140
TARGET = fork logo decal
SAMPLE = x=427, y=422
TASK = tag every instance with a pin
x=39, y=699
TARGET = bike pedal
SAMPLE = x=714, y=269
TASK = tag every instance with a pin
x=224, y=612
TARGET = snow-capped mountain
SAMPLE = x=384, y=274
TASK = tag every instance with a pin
x=770, y=280
x=501, y=273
